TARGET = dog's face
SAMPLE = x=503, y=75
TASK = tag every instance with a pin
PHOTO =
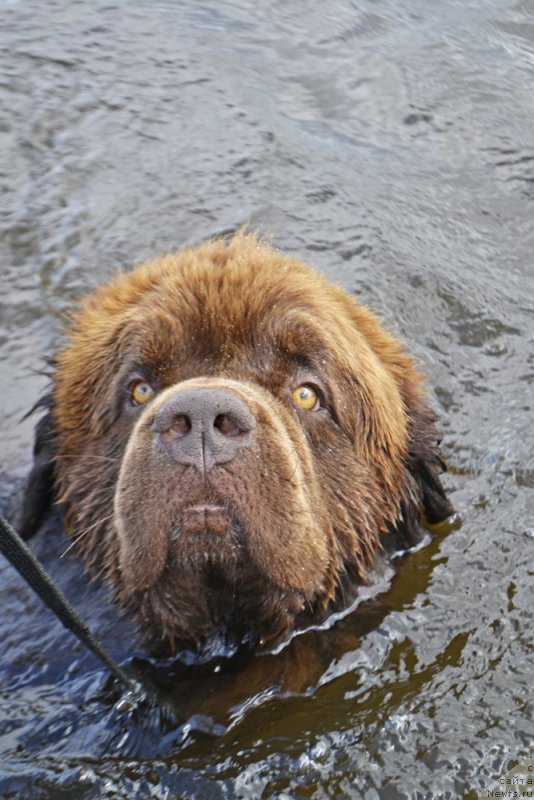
x=232, y=438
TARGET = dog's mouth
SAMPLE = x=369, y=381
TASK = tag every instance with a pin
x=210, y=589
x=206, y=535
x=206, y=518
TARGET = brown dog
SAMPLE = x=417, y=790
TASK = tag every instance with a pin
x=232, y=439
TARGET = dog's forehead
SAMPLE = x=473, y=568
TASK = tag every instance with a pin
x=240, y=309
x=218, y=315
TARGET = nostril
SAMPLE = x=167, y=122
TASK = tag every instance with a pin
x=180, y=426
x=227, y=425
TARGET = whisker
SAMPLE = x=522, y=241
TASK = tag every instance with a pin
x=81, y=534
x=87, y=457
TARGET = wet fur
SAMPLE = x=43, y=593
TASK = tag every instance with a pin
x=311, y=500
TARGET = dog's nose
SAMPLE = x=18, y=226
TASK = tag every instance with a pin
x=204, y=427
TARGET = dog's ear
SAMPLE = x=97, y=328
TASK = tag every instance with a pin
x=406, y=420
x=425, y=464
x=424, y=499
x=39, y=490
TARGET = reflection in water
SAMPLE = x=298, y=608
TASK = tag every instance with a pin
x=390, y=145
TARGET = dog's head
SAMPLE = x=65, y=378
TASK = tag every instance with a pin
x=231, y=437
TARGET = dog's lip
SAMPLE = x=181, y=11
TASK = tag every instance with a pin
x=206, y=507
x=204, y=517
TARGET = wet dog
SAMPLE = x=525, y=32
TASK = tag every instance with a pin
x=232, y=439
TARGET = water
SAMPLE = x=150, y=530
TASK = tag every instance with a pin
x=392, y=146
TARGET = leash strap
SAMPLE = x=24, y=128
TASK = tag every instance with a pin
x=22, y=558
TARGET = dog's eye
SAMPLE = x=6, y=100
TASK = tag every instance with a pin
x=306, y=397
x=142, y=392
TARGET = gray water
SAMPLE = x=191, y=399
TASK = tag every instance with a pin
x=390, y=144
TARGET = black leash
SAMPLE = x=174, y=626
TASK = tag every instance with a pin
x=22, y=558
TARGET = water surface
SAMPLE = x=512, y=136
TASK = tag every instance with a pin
x=392, y=146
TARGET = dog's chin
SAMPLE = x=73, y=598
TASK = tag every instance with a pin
x=209, y=592
x=195, y=597
x=214, y=631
